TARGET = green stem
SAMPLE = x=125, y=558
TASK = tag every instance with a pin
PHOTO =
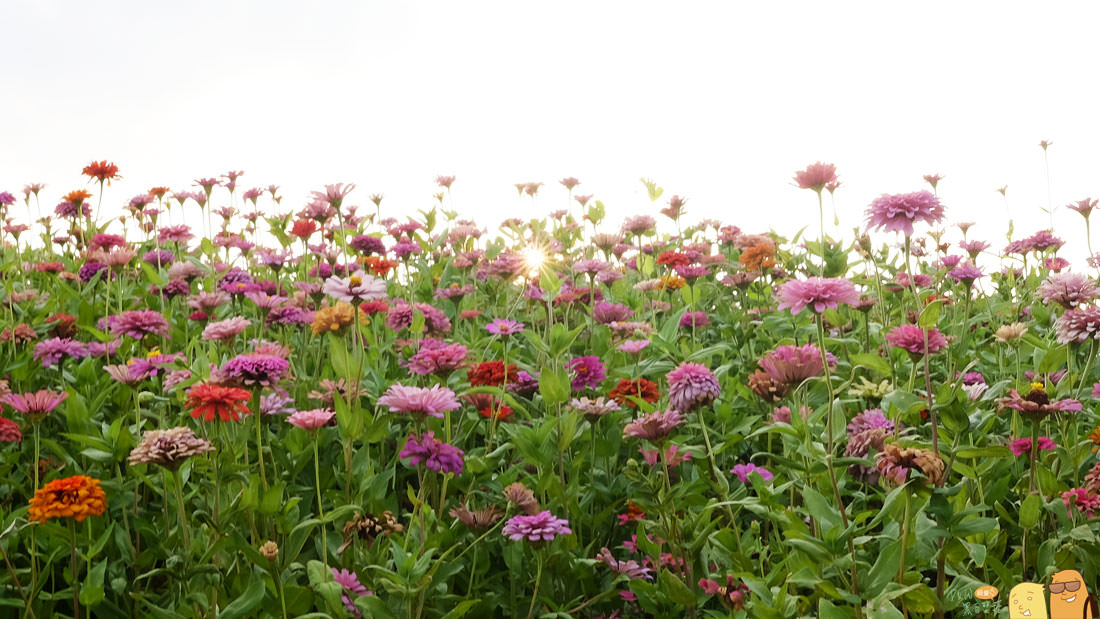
x=182, y=513
x=320, y=507
x=538, y=579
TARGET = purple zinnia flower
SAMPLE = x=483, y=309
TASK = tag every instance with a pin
x=690, y=386
x=1022, y=446
x=49, y=352
x=898, y=212
x=606, y=313
x=588, y=372
x=543, y=526
x=965, y=273
x=694, y=319
x=818, y=292
x=90, y=269
x=1078, y=325
x=256, y=369
x=434, y=453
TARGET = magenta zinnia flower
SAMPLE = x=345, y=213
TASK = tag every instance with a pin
x=911, y=338
x=588, y=372
x=691, y=385
x=350, y=586
x=818, y=292
x=1037, y=405
x=1022, y=446
x=742, y=471
x=539, y=527
x=419, y=401
x=434, y=453
x=898, y=212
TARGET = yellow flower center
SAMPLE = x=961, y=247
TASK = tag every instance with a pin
x=1038, y=386
x=355, y=281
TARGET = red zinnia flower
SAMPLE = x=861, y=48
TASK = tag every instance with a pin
x=226, y=402
x=673, y=259
x=490, y=373
x=379, y=265
x=101, y=171
x=498, y=411
x=637, y=388
x=304, y=228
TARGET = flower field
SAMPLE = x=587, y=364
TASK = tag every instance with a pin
x=370, y=411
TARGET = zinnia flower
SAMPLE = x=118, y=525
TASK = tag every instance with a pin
x=895, y=463
x=75, y=497
x=256, y=369
x=35, y=405
x=588, y=372
x=168, y=448
x=225, y=329
x=501, y=326
x=654, y=427
x=1078, y=325
x=742, y=471
x=691, y=385
x=311, y=419
x=898, y=212
x=1037, y=405
x=434, y=453
x=818, y=292
x=1022, y=446
x=790, y=365
x=419, y=401
x=640, y=388
x=349, y=586
x=355, y=289
x=911, y=338
x=50, y=352
x=816, y=176
x=436, y=357
x=1008, y=333
x=138, y=323
x=1068, y=289
x=206, y=401
x=539, y=527
x=9, y=431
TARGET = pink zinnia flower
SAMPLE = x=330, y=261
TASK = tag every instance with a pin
x=225, y=329
x=633, y=347
x=1068, y=289
x=9, y=431
x=816, y=176
x=50, y=352
x=350, y=586
x=419, y=401
x=790, y=365
x=539, y=527
x=311, y=419
x=333, y=195
x=587, y=372
x=1022, y=446
x=436, y=357
x=35, y=405
x=1085, y=500
x=898, y=212
x=1078, y=325
x=355, y=289
x=671, y=455
x=138, y=323
x=742, y=471
x=818, y=292
x=501, y=326
x=1084, y=207
x=691, y=385
x=911, y=338
x=654, y=427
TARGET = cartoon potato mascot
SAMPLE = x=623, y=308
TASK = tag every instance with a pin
x=1026, y=601
x=1068, y=596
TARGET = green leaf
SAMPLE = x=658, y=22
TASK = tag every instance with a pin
x=554, y=387
x=885, y=568
x=930, y=315
x=676, y=589
x=1029, y=511
x=997, y=451
x=91, y=592
x=247, y=601
x=653, y=190
x=872, y=362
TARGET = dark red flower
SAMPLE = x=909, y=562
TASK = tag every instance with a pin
x=490, y=373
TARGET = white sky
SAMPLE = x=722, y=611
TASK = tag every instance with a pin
x=717, y=101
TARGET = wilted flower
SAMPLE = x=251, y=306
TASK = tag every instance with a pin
x=654, y=427
x=895, y=463
x=478, y=519
x=169, y=448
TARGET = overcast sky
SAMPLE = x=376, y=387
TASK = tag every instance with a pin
x=720, y=102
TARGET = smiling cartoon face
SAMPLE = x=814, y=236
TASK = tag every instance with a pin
x=1068, y=595
x=1026, y=600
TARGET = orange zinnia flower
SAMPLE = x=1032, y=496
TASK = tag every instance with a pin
x=77, y=197
x=159, y=191
x=101, y=171
x=74, y=497
x=379, y=265
x=671, y=282
x=758, y=257
x=226, y=402
x=640, y=388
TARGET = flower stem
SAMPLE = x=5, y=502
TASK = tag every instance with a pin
x=182, y=513
x=320, y=507
x=538, y=579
